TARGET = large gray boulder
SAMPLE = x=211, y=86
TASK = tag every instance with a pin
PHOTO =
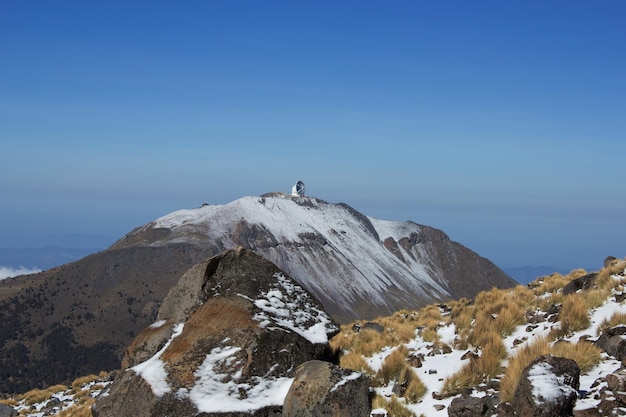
x=321, y=389
x=6, y=411
x=548, y=387
x=229, y=338
x=612, y=341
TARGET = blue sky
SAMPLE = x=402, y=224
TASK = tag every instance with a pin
x=501, y=123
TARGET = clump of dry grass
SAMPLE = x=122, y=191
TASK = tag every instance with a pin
x=574, y=315
x=394, y=365
x=416, y=388
x=606, y=275
x=550, y=284
x=488, y=365
x=429, y=334
x=398, y=328
x=11, y=402
x=516, y=364
x=394, y=407
x=356, y=362
x=616, y=319
x=84, y=380
x=82, y=409
x=39, y=395
x=585, y=354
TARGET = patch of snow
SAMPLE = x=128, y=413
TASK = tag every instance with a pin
x=548, y=387
x=157, y=324
x=216, y=392
x=353, y=376
x=153, y=370
x=288, y=305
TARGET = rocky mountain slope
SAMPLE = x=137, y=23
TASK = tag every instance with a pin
x=357, y=266
x=78, y=318
x=553, y=348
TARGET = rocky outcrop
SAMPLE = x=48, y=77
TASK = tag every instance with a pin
x=583, y=283
x=321, y=389
x=613, y=342
x=228, y=340
x=6, y=411
x=468, y=406
x=548, y=387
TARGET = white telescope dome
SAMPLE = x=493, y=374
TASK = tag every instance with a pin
x=298, y=189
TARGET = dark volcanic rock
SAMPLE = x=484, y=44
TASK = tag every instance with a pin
x=612, y=341
x=236, y=327
x=468, y=406
x=548, y=387
x=582, y=283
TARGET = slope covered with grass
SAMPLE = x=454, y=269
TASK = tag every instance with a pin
x=420, y=360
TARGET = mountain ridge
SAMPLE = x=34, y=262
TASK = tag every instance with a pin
x=102, y=301
x=338, y=253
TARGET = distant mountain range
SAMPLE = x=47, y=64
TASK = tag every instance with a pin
x=526, y=274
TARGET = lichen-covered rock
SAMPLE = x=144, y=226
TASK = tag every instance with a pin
x=548, y=387
x=321, y=389
x=229, y=338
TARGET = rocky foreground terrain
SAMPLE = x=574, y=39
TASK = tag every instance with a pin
x=238, y=337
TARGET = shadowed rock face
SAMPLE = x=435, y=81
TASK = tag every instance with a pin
x=235, y=327
x=356, y=266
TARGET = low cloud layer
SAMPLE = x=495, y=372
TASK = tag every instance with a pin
x=8, y=272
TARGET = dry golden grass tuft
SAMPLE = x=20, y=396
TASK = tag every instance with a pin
x=11, y=402
x=612, y=275
x=430, y=312
x=516, y=364
x=574, y=315
x=487, y=366
x=84, y=380
x=462, y=318
x=393, y=365
x=429, y=334
x=616, y=319
x=394, y=407
x=585, y=354
x=416, y=388
x=82, y=409
x=356, y=362
x=464, y=378
x=551, y=283
x=38, y=395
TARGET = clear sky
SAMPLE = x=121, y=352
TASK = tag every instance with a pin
x=500, y=122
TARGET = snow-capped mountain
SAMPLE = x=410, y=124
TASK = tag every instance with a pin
x=78, y=318
x=357, y=266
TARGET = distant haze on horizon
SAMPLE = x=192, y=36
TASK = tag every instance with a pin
x=500, y=123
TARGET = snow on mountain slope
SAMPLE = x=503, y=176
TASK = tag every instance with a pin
x=355, y=265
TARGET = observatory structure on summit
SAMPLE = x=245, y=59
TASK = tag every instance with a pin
x=298, y=189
